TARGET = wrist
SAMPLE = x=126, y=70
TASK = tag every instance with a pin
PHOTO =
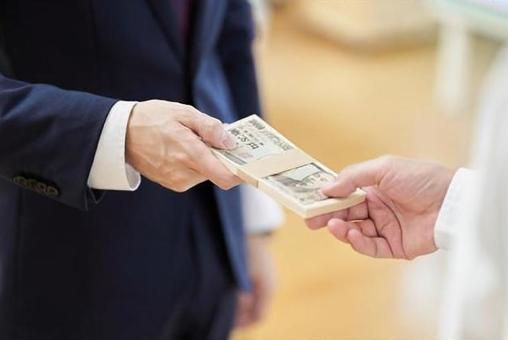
x=129, y=137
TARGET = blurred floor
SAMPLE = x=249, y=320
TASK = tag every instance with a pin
x=342, y=108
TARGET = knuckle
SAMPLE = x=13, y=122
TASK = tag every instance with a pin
x=182, y=157
x=190, y=110
x=184, y=110
x=213, y=125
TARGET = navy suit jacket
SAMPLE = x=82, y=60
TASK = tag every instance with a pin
x=62, y=244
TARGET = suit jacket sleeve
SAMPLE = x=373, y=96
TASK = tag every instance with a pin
x=235, y=49
x=48, y=139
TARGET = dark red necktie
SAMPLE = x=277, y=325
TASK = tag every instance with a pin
x=183, y=10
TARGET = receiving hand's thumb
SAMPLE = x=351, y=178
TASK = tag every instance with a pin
x=356, y=176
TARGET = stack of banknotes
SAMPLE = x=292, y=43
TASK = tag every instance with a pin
x=267, y=160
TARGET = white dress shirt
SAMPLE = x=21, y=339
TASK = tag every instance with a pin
x=110, y=171
x=476, y=294
x=449, y=215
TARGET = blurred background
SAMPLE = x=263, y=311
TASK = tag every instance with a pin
x=349, y=80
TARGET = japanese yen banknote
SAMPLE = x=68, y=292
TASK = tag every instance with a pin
x=266, y=159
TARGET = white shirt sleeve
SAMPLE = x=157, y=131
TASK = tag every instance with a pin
x=448, y=217
x=261, y=213
x=109, y=170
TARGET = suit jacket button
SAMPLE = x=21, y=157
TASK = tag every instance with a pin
x=51, y=191
x=31, y=184
x=21, y=181
x=40, y=187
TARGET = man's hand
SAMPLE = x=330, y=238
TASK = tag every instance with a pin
x=252, y=306
x=166, y=144
x=398, y=217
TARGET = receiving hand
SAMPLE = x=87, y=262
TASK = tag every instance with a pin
x=398, y=217
x=166, y=144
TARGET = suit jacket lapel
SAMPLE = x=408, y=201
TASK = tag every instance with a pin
x=165, y=15
x=207, y=22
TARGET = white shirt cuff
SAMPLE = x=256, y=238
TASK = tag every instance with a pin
x=448, y=217
x=261, y=213
x=109, y=169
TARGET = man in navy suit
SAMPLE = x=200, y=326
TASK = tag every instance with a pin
x=86, y=250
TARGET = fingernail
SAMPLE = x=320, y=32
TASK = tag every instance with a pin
x=228, y=141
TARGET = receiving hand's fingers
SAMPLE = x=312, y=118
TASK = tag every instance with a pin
x=370, y=246
x=339, y=229
x=210, y=167
x=358, y=212
x=367, y=227
x=322, y=220
x=369, y=173
x=211, y=130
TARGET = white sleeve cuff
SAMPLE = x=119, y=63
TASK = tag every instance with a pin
x=261, y=213
x=448, y=217
x=109, y=169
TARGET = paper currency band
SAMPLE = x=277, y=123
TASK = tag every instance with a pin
x=274, y=165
